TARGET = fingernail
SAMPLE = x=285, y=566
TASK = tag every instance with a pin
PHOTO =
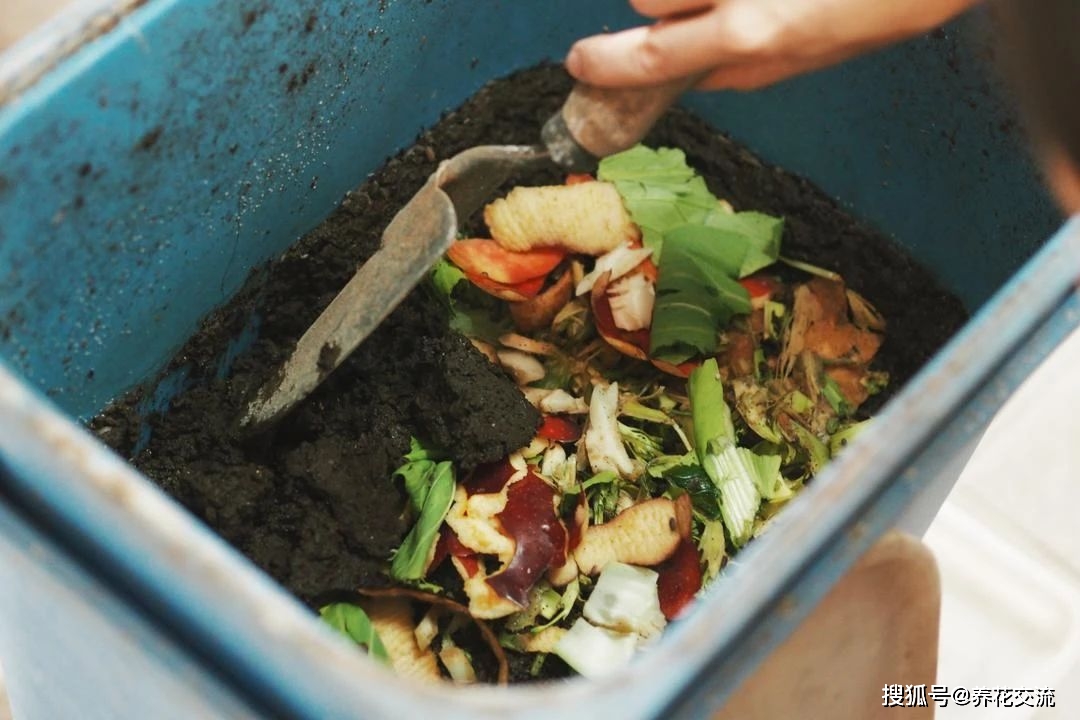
x=574, y=61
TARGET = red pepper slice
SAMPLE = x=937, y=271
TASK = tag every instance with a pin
x=758, y=286
x=559, y=429
x=578, y=178
x=511, y=293
x=680, y=579
x=488, y=259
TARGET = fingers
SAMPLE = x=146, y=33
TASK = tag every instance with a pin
x=731, y=32
x=658, y=9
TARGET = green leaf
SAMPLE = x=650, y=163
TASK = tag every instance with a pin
x=659, y=189
x=417, y=472
x=755, y=236
x=709, y=410
x=444, y=277
x=411, y=559
x=694, y=296
x=695, y=482
x=352, y=622
x=739, y=244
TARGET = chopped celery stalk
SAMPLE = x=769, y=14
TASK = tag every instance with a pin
x=774, y=315
x=661, y=465
x=842, y=437
x=642, y=445
x=835, y=398
x=711, y=415
x=800, y=403
x=713, y=549
x=601, y=478
x=766, y=472
x=816, y=450
x=566, y=604
x=752, y=401
x=594, y=651
x=636, y=410
x=626, y=599
x=739, y=496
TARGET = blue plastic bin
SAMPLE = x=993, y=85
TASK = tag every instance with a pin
x=151, y=153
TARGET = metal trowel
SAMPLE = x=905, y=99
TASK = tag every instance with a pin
x=593, y=123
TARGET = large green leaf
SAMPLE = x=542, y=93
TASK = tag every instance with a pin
x=659, y=189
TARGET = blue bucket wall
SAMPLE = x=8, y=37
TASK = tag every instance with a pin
x=143, y=179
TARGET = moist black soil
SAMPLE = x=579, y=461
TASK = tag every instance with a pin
x=313, y=503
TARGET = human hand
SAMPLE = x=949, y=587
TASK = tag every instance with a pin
x=745, y=44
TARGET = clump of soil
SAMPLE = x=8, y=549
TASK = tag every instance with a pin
x=314, y=504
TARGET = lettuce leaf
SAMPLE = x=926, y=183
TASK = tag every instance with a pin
x=659, y=189
x=430, y=485
x=352, y=622
x=701, y=248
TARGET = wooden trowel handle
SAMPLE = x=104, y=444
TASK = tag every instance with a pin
x=604, y=121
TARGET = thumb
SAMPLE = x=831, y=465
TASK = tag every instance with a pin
x=671, y=49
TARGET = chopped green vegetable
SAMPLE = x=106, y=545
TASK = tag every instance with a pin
x=694, y=298
x=695, y=482
x=811, y=269
x=832, y=394
x=840, y=439
x=735, y=475
x=565, y=605
x=444, y=277
x=642, y=445
x=774, y=313
x=417, y=472
x=659, y=189
x=737, y=472
x=352, y=622
x=411, y=559
x=713, y=549
x=711, y=414
x=739, y=244
x=817, y=451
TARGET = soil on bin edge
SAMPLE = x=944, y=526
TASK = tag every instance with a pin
x=314, y=504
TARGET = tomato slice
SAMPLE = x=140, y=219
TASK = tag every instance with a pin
x=559, y=429
x=488, y=259
x=758, y=286
x=578, y=178
x=682, y=370
x=511, y=293
x=680, y=579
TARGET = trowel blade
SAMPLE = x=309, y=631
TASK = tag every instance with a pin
x=414, y=241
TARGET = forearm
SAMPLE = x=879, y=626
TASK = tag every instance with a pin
x=749, y=43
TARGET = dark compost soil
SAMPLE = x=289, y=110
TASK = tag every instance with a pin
x=314, y=505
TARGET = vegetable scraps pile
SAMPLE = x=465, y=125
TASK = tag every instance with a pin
x=691, y=379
